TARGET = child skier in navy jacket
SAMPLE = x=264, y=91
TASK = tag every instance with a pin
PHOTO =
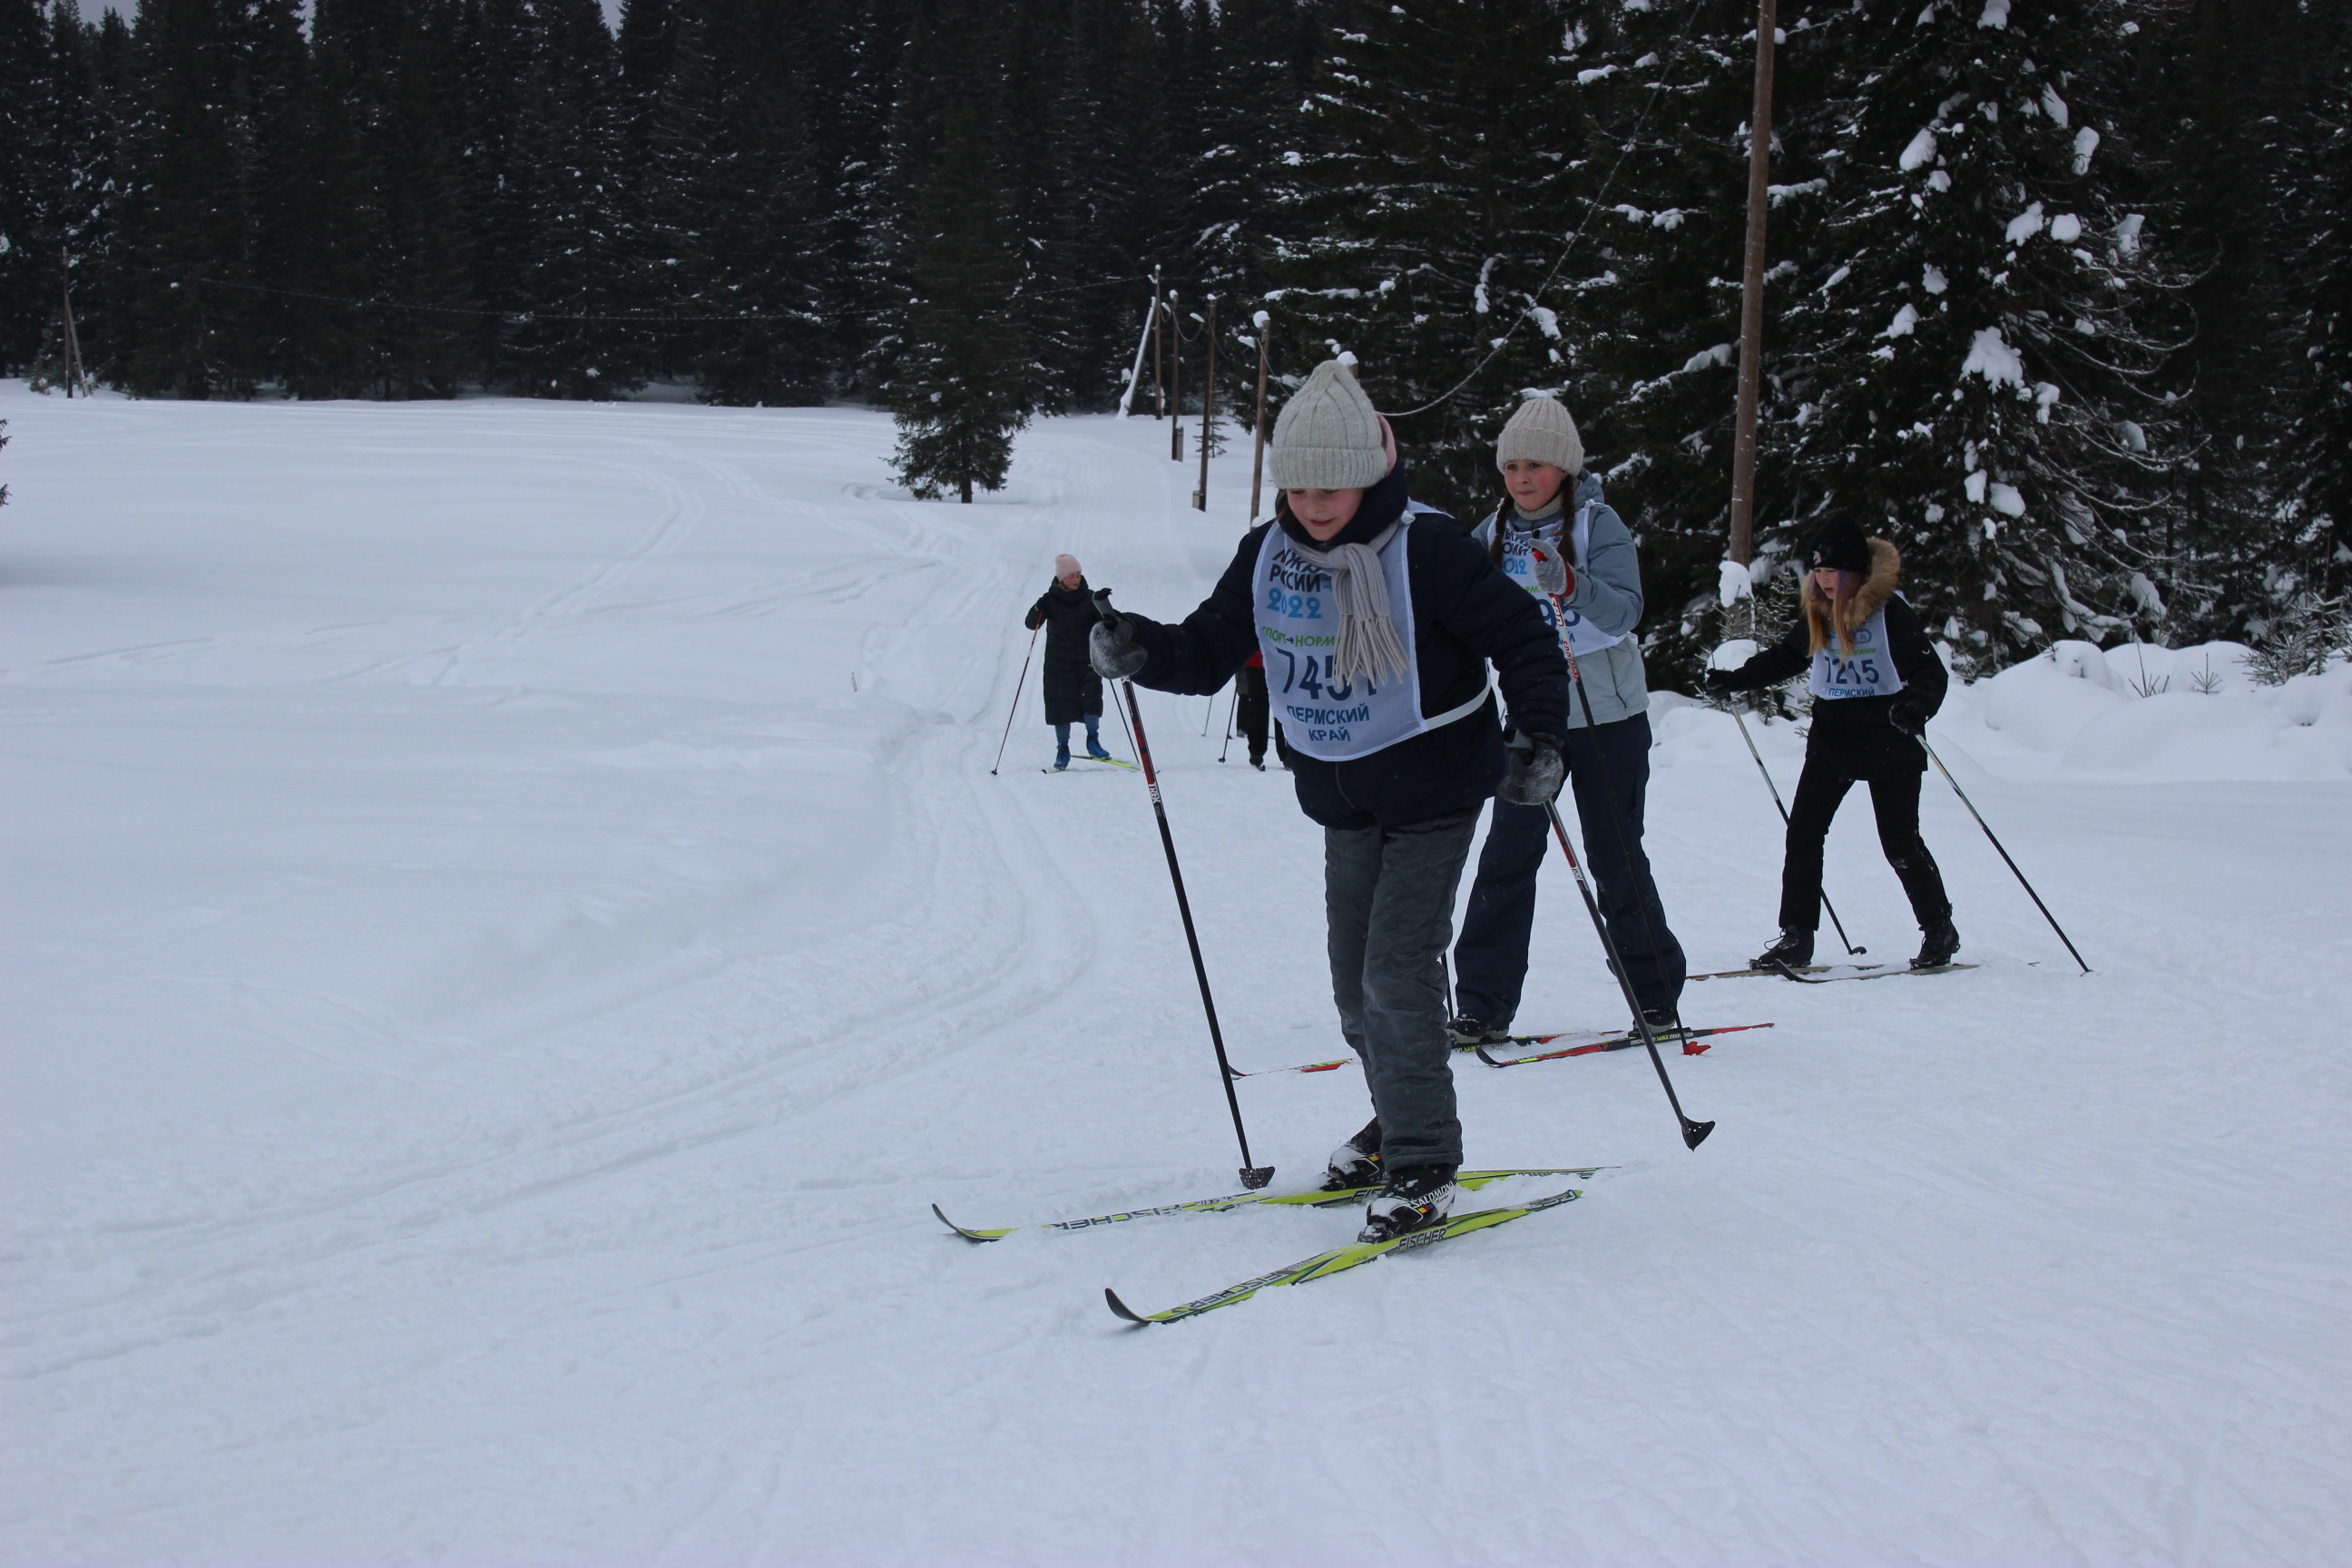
x=1378, y=619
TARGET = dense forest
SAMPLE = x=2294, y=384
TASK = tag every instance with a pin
x=2059, y=293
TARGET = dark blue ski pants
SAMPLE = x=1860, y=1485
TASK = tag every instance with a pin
x=1490, y=959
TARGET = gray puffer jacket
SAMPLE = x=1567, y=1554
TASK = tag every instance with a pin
x=1608, y=594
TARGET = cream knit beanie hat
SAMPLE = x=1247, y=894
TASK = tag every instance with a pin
x=1541, y=432
x=1328, y=437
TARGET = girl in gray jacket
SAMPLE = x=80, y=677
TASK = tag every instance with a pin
x=1556, y=525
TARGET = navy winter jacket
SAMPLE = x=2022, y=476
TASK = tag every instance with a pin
x=1466, y=612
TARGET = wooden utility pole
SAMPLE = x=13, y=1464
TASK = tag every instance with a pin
x=1158, y=389
x=72, y=344
x=1208, y=409
x=1175, y=380
x=1257, y=449
x=1751, y=296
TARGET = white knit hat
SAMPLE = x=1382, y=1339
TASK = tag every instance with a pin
x=1328, y=437
x=1541, y=432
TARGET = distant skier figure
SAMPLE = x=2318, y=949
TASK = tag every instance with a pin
x=1377, y=617
x=1875, y=681
x=1074, y=691
x=1252, y=711
x=1554, y=530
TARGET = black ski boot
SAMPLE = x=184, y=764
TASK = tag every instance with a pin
x=1414, y=1198
x=1794, y=950
x=1465, y=1032
x=1355, y=1163
x=1661, y=1023
x=1936, y=945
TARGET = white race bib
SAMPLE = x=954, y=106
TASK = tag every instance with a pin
x=1298, y=632
x=1584, y=638
x=1868, y=671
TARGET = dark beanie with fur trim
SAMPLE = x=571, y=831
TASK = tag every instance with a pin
x=1841, y=546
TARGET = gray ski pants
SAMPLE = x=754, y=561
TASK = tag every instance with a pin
x=1388, y=894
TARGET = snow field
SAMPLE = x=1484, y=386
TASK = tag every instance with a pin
x=509, y=925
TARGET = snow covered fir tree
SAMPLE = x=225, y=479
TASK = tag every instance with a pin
x=2057, y=289
x=1978, y=338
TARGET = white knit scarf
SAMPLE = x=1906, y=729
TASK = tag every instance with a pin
x=1368, y=643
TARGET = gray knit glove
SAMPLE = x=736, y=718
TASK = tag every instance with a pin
x=1112, y=645
x=1536, y=769
x=1552, y=573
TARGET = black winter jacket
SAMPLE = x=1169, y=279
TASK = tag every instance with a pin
x=1072, y=689
x=1852, y=736
x=1466, y=612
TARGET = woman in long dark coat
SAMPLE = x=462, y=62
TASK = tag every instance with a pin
x=1074, y=691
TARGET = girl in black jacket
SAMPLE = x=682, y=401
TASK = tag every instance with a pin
x=1875, y=681
x=1073, y=690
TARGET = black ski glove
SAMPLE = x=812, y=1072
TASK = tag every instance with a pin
x=1536, y=769
x=1034, y=618
x=1720, y=682
x=1112, y=645
x=1909, y=718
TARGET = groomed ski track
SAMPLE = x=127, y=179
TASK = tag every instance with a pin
x=509, y=928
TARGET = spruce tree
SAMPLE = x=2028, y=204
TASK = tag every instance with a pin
x=420, y=260
x=30, y=171
x=572, y=335
x=1651, y=298
x=741, y=234
x=853, y=65
x=194, y=326
x=1975, y=354
x=1429, y=183
x=961, y=378
x=321, y=245
x=2316, y=557
x=495, y=50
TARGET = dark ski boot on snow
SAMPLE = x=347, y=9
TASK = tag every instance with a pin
x=1936, y=945
x=1794, y=950
x=1356, y=1162
x=1095, y=750
x=1414, y=1198
x=1062, y=759
x=1464, y=1032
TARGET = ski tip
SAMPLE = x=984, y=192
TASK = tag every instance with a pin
x=967, y=1235
x=1122, y=1309
x=1255, y=1176
x=1695, y=1133
x=1484, y=1058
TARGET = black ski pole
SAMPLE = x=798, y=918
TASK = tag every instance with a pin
x=1252, y=1176
x=1693, y=1132
x=1835, y=923
x=1231, y=708
x=1015, y=709
x=2004, y=853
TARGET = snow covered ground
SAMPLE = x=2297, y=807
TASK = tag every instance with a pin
x=508, y=924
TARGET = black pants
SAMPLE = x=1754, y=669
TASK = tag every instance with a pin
x=1250, y=705
x=1895, y=799
x=1490, y=960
